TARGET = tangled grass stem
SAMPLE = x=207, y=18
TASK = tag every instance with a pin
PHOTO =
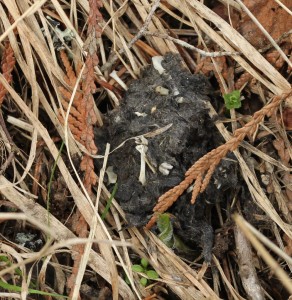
x=201, y=171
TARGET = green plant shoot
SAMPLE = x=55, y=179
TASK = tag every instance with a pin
x=109, y=202
x=166, y=230
x=232, y=100
x=167, y=235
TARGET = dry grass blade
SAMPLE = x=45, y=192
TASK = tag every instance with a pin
x=60, y=232
x=86, y=208
x=249, y=278
x=182, y=279
x=286, y=281
x=30, y=11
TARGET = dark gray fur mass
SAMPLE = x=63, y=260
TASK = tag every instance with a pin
x=191, y=135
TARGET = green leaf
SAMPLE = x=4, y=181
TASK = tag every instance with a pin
x=163, y=222
x=144, y=263
x=16, y=288
x=166, y=230
x=152, y=274
x=143, y=281
x=138, y=268
x=232, y=100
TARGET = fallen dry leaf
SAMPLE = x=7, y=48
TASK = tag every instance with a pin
x=270, y=15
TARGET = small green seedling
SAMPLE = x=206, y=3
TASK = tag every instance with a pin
x=143, y=268
x=232, y=100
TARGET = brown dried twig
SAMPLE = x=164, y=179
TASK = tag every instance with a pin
x=144, y=27
x=191, y=47
x=200, y=173
x=135, y=39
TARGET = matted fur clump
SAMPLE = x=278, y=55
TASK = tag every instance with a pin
x=172, y=105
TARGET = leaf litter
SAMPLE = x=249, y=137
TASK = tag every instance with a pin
x=149, y=165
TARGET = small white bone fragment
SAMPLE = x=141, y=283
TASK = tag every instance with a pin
x=176, y=91
x=180, y=100
x=156, y=61
x=150, y=164
x=164, y=168
x=112, y=176
x=142, y=176
x=115, y=76
x=141, y=140
x=140, y=114
x=161, y=90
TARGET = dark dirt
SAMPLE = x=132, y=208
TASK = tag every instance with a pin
x=191, y=135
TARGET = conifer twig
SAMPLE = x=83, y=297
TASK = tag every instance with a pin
x=88, y=88
x=86, y=118
x=201, y=171
x=7, y=64
x=75, y=121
